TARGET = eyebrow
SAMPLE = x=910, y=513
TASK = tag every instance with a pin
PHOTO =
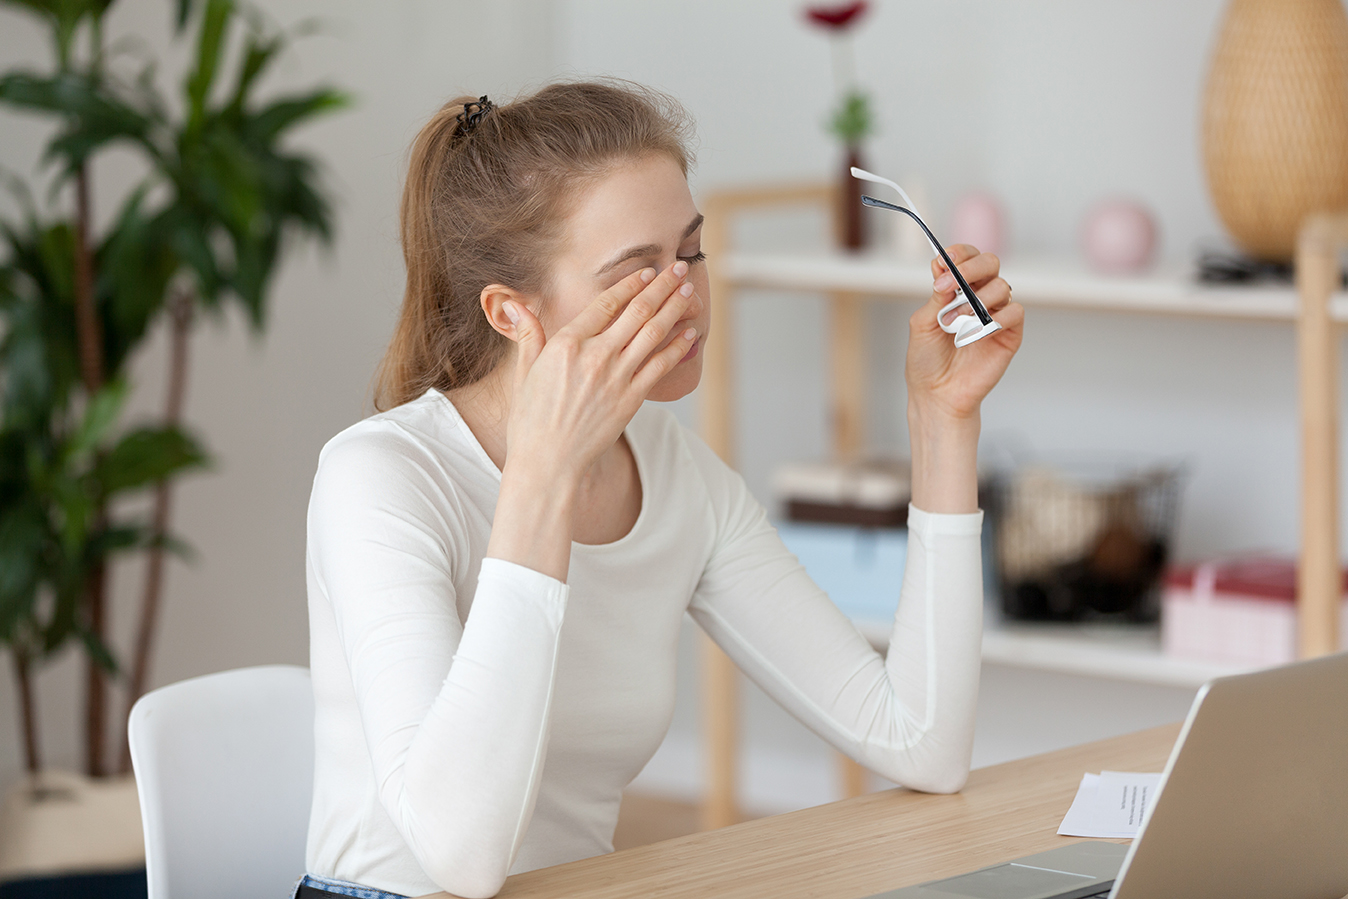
x=650, y=249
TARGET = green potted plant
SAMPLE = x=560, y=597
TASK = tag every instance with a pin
x=206, y=227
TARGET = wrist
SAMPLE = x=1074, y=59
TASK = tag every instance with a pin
x=945, y=459
x=542, y=471
x=934, y=419
x=532, y=522
x=550, y=490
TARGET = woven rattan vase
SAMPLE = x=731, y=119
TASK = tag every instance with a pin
x=1275, y=120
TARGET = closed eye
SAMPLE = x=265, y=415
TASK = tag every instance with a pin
x=697, y=257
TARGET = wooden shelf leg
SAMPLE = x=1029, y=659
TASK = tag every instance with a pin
x=720, y=679
x=847, y=312
x=1320, y=582
x=848, y=364
x=855, y=778
x=720, y=703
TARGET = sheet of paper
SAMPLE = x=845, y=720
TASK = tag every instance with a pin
x=1109, y=805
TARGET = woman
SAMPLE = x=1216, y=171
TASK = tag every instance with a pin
x=499, y=563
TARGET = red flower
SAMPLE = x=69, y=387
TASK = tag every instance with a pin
x=837, y=16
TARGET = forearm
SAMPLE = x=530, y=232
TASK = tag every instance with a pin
x=945, y=458
x=532, y=523
x=464, y=793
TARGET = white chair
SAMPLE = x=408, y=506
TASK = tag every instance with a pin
x=225, y=768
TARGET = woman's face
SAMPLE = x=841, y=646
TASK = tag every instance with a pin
x=639, y=215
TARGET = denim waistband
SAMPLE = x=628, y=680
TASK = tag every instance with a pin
x=312, y=886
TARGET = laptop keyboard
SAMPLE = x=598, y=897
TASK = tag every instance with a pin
x=1104, y=894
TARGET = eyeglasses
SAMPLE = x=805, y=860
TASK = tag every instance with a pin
x=966, y=328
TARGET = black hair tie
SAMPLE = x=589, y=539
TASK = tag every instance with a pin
x=473, y=114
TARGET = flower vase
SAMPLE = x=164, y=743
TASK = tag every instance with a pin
x=851, y=219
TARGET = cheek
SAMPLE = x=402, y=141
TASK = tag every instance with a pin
x=559, y=308
x=702, y=284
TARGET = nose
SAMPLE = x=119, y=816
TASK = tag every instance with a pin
x=697, y=302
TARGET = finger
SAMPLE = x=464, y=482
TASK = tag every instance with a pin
x=664, y=362
x=943, y=282
x=995, y=294
x=1011, y=317
x=645, y=305
x=653, y=333
x=600, y=314
x=529, y=337
x=975, y=269
x=958, y=253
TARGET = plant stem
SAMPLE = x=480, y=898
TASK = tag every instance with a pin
x=89, y=334
x=90, y=337
x=32, y=759
x=181, y=305
x=96, y=699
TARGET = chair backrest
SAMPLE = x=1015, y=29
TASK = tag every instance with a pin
x=225, y=767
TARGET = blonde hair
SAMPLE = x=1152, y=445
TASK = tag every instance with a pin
x=486, y=203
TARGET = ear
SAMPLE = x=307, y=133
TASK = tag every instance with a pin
x=493, y=300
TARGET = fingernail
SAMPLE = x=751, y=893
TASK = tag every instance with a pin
x=945, y=282
x=511, y=312
x=648, y=275
x=686, y=290
x=690, y=334
x=680, y=269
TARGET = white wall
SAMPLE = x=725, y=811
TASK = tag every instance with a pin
x=1049, y=104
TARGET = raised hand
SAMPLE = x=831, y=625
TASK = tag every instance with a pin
x=954, y=381
x=946, y=385
x=576, y=391
x=573, y=393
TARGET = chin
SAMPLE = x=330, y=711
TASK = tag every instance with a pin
x=679, y=383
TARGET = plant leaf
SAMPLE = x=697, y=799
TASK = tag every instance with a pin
x=99, y=416
x=182, y=14
x=146, y=456
x=214, y=23
x=94, y=116
x=267, y=124
x=98, y=651
x=258, y=54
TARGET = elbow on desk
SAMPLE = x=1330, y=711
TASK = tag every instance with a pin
x=951, y=781
x=469, y=881
x=928, y=767
x=464, y=862
x=931, y=773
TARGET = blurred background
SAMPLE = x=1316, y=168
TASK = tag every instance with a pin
x=1050, y=106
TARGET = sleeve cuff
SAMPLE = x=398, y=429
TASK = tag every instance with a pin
x=964, y=524
x=519, y=580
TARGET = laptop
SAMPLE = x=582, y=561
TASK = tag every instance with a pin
x=1253, y=803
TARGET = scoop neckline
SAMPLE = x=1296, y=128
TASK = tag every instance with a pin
x=642, y=479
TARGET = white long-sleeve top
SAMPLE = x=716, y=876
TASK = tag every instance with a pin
x=475, y=718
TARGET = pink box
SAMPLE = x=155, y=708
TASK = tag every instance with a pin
x=1240, y=611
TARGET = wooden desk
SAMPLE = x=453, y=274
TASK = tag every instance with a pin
x=861, y=846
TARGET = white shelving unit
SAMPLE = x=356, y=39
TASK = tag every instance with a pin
x=1119, y=653
x=1037, y=282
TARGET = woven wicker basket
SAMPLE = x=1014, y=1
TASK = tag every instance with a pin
x=1275, y=120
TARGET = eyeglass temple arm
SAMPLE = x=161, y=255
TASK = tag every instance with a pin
x=974, y=302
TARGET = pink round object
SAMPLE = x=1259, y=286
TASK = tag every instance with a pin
x=977, y=220
x=1118, y=237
